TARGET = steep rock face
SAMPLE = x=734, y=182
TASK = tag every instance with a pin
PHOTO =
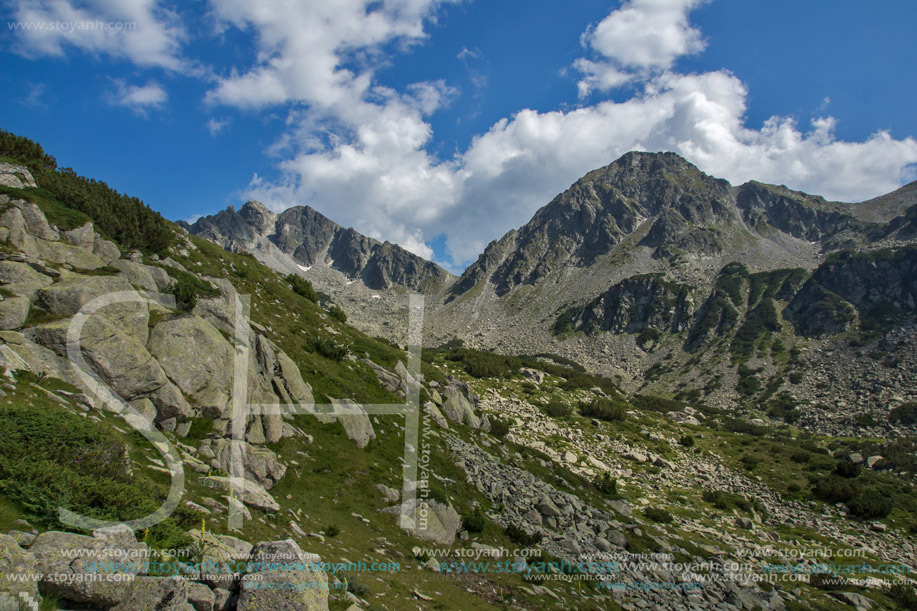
x=308, y=238
x=798, y=214
x=632, y=305
x=879, y=287
x=594, y=214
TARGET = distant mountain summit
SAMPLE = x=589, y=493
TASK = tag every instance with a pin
x=301, y=237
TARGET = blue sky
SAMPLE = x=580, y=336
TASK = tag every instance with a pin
x=441, y=124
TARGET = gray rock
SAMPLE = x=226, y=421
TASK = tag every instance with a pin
x=389, y=494
x=251, y=493
x=358, y=426
x=67, y=297
x=22, y=279
x=56, y=554
x=200, y=596
x=16, y=176
x=854, y=599
x=546, y=507
x=255, y=463
x=159, y=593
x=435, y=414
x=120, y=360
x=147, y=277
x=37, y=224
x=621, y=506
x=256, y=593
x=221, y=598
x=197, y=358
x=16, y=561
x=81, y=237
x=13, y=312
x=105, y=250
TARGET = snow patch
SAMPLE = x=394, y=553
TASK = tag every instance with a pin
x=377, y=296
x=303, y=267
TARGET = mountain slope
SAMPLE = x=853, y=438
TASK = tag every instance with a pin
x=650, y=261
x=310, y=239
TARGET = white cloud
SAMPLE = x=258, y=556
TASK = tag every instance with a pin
x=358, y=151
x=141, y=31
x=139, y=98
x=640, y=37
x=215, y=126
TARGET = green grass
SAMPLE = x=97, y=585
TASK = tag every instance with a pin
x=57, y=213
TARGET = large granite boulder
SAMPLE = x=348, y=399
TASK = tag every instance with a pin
x=357, y=425
x=14, y=562
x=197, y=358
x=68, y=561
x=119, y=360
x=13, y=312
x=428, y=520
x=281, y=576
x=69, y=295
x=157, y=593
x=22, y=279
x=254, y=463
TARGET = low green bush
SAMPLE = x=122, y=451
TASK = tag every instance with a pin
x=475, y=520
x=606, y=484
x=604, y=409
x=302, y=287
x=557, y=409
x=658, y=515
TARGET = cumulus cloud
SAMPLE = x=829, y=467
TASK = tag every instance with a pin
x=139, y=98
x=358, y=150
x=142, y=31
x=522, y=162
x=640, y=37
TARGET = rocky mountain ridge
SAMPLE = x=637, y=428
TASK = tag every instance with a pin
x=302, y=238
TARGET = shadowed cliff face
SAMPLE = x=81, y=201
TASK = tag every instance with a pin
x=312, y=239
x=592, y=216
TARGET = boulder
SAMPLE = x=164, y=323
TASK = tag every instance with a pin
x=22, y=279
x=147, y=277
x=432, y=520
x=159, y=593
x=288, y=373
x=458, y=408
x=251, y=493
x=37, y=224
x=389, y=380
x=254, y=463
x=200, y=596
x=81, y=237
x=65, y=253
x=435, y=414
x=13, y=312
x=196, y=357
x=266, y=587
x=120, y=361
x=68, y=296
x=16, y=235
x=72, y=558
x=16, y=176
x=547, y=508
x=357, y=425
x=15, y=561
x=105, y=250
